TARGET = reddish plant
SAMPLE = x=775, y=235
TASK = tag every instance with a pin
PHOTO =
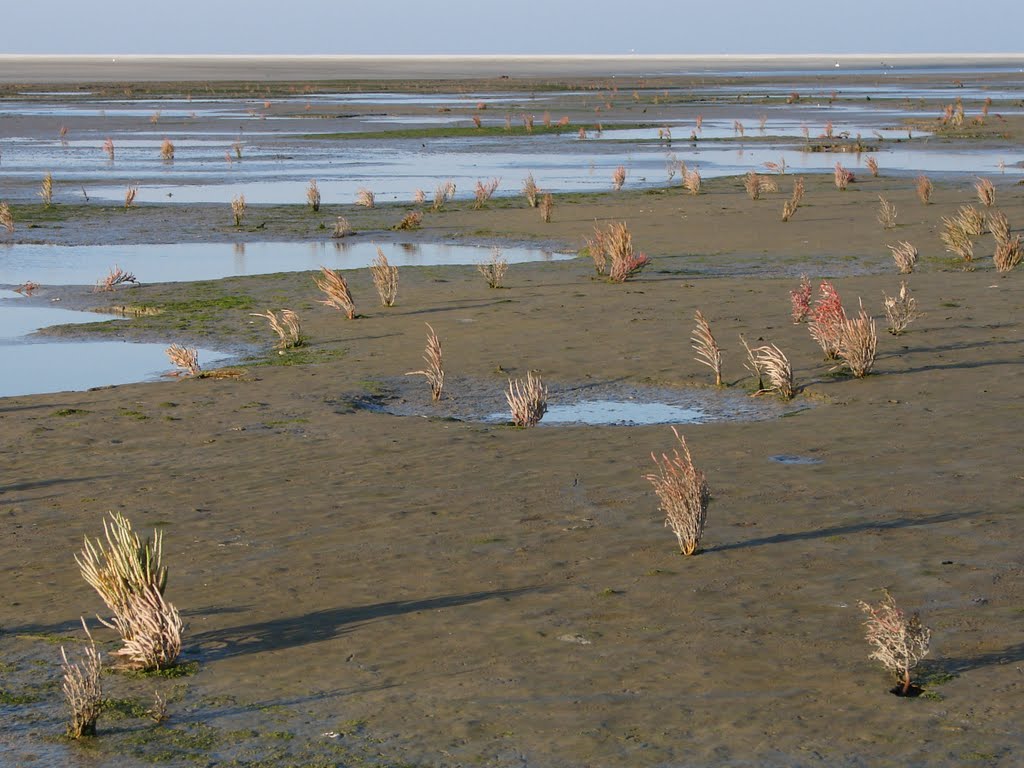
x=801, y=300
x=828, y=319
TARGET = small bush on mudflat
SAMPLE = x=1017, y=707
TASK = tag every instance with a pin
x=683, y=492
x=899, y=642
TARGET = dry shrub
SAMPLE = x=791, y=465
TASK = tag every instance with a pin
x=753, y=365
x=385, y=278
x=683, y=494
x=6, y=219
x=313, y=195
x=773, y=364
x=858, y=343
x=798, y=190
x=494, y=269
x=827, y=320
x=83, y=689
x=341, y=227
x=872, y=165
x=842, y=177
x=752, y=183
x=108, y=147
x=476, y=121
x=46, y=189
x=336, y=289
x=151, y=630
x=1007, y=254
x=443, y=192
x=779, y=167
x=530, y=190
x=707, y=349
x=986, y=192
x=116, y=277
x=27, y=288
x=738, y=128
x=237, y=149
x=923, y=187
x=612, y=252
x=899, y=642
x=886, y=213
x=167, y=150
x=484, y=191
x=238, y=209
x=691, y=181
x=999, y=226
x=971, y=220
x=800, y=299
x=419, y=197
x=129, y=195
x=185, y=358
x=789, y=209
x=957, y=240
x=287, y=328
x=434, y=372
x=618, y=178
x=528, y=400
x=905, y=256
x=547, y=203
x=364, y=197
x=411, y=220
x=900, y=310
x=527, y=122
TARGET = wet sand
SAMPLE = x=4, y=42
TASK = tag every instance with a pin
x=439, y=592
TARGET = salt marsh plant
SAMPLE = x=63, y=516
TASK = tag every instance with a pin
x=923, y=187
x=411, y=220
x=237, y=149
x=612, y=252
x=1007, y=254
x=336, y=289
x=286, y=326
x=443, y=192
x=779, y=167
x=313, y=195
x=434, y=372
x=738, y=128
x=900, y=310
x=858, y=343
x=167, y=150
x=484, y=191
x=46, y=190
x=841, y=176
x=530, y=190
x=186, y=358
x=970, y=220
x=83, y=689
x=618, y=178
x=419, y=197
x=108, y=148
x=827, y=320
x=753, y=365
x=707, y=349
x=116, y=277
x=789, y=208
x=341, y=228
x=905, y=256
x=752, y=183
x=494, y=269
x=774, y=365
x=957, y=240
x=683, y=494
x=528, y=400
x=547, y=203
x=691, y=181
x=998, y=225
x=886, y=213
x=800, y=300
x=6, y=218
x=238, y=209
x=899, y=642
x=986, y=192
x=385, y=278
x=129, y=195
x=872, y=165
x=365, y=197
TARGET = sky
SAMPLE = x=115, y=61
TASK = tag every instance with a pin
x=512, y=27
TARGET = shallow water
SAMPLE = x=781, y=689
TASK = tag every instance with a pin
x=618, y=413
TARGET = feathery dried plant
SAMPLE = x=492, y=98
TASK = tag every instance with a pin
x=116, y=277
x=986, y=192
x=434, y=372
x=900, y=310
x=800, y=300
x=6, y=218
x=186, y=358
x=858, y=343
x=108, y=147
x=1008, y=254
x=683, y=494
x=126, y=566
x=789, y=209
x=336, y=289
x=752, y=183
x=476, y=121
x=443, y=192
x=364, y=197
x=957, y=240
x=872, y=165
x=738, y=128
x=129, y=195
x=827, y=320
x=547, y=203
x=313, y=195
x=385, y=278
x=150, y=628
x=528, y=400
x=530, y=190
x=484, y=191
x=707, y=349
x=829, y=131
x=971, y=220
x=494, y=269
x=923, y=187
x=779, y=167
x=46, y=189
x=899, y=642
x=167, y=150
x=618, y=178
x=998, y=225
x=238, y=209
x=83, y=689
x=287, y=328
x=527, y=122
x=776, y=368
x=341, y=227
x=753, y=365
x=419, y=197
x=905, y=256
x=691, y=180
x=886, y=213
x=842, y=177
x=762, y=122
x=237, y=149
x=612, y=249
x=411, y=220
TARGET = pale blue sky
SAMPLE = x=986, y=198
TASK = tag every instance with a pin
x=512, y=26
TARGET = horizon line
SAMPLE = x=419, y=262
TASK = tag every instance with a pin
x=528, y=56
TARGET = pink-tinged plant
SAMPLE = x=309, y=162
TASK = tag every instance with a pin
x=619, y=178
x=800, y=299
x=683, y=494
x=842, y=176
x=827, y=320
x=872, y=165
x=167, y=150
x=116, y=277
x=108, y=147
